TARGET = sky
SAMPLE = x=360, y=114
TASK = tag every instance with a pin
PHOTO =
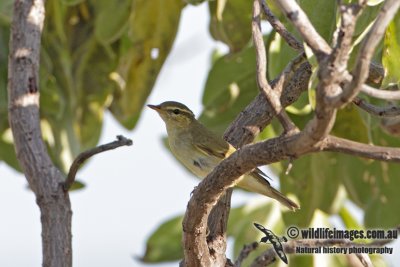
x=130, y=190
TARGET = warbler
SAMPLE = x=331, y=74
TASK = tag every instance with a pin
x=201, y=150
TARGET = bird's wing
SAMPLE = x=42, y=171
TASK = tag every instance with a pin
x=218, y=152
x=256, y=173
x=210, y=144
x=261, y=173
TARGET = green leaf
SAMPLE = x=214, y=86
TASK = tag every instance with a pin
x=6, y=10
x=349, y=124
x=364, y=22
x=372, y=184
x=348, y=219
x=77, y=185
x=109, y=30
x=308, y=176
x=72, y=2
x=231, y=22
x=241, y=219
x=322, y=15
x=354, y=173
x=367, y=16
x=89, y=125
x=151, y=41
x=164, y=244
x=391, y=52
x=7, y=153
x=279, y=55
x=230, y=86
x=383, y=196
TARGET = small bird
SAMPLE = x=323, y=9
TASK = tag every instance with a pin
x=201, y=150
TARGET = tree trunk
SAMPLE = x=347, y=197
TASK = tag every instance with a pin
x=23, y=103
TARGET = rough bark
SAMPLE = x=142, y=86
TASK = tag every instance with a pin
x=23, y=103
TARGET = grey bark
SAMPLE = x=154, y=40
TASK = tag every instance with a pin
x=23, y=103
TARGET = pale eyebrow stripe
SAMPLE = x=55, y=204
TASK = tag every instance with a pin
x=184, y=111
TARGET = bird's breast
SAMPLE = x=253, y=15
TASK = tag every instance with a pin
x=197, y=162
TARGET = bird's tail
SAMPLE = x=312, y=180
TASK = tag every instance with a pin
x=275, y=194
x=254, y=182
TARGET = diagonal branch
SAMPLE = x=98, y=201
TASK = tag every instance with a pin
x=300, y=20
x=272, y=96
x=82, y=157
x=281, y=29
x=389, y=111
x=245, y=252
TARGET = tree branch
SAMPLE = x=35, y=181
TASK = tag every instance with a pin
x=294, y=81
x=341, y=52
x=82, y=157
x=210, y=189
x=336, y=144
x=245, y=252
x=261, y=58
x=300, y=20
x=281, y=29
x=382, y=93
x=243, y=130
x=360, y=73
x=272, y=96
x=23, y=105
x=389, y=111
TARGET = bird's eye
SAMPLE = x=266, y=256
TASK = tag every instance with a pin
x=176, y=111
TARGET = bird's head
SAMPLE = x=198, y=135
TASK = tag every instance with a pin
x=174, y=114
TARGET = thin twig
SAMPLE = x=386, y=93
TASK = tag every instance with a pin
x=289, y=166
x=245, y=252
x=121, y=141
x=382, y=93
x=300, y=20
x=281, y=29
x=261, y=57
x=341, y=52
x=389, y=111
x=337, y=144
x=272, y=96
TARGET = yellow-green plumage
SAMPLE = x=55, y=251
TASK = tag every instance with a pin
x=200, y=150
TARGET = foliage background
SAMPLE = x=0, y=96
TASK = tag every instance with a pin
x=127, y=197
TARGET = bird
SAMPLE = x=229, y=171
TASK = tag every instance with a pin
x=201, y=150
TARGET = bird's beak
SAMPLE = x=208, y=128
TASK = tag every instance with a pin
x=155, y=107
